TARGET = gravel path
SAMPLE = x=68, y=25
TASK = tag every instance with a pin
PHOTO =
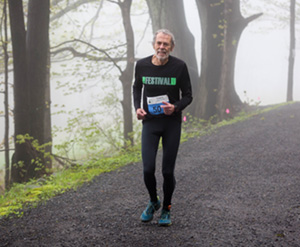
x=239, y=186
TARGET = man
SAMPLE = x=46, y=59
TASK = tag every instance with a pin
x=161, y=78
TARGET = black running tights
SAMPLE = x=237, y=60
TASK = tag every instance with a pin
x=169, y=129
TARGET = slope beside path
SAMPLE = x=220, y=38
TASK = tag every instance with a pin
x=238, y=186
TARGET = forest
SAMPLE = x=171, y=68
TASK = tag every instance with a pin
x=67, y=70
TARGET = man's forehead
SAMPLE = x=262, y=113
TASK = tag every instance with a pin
x=163, y=36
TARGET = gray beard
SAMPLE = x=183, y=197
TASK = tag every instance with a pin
x=162, y=58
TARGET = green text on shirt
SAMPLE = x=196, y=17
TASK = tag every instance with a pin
x=162, y=81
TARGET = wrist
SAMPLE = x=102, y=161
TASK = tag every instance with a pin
x=175, y=107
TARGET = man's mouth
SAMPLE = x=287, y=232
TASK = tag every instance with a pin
x=161, y=51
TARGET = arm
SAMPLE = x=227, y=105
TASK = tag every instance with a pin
x=186, y=91
x=137, y=95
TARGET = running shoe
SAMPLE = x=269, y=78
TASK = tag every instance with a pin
x=165, y=218
x=147, y=214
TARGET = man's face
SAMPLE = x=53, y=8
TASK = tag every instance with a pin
x=163, y=46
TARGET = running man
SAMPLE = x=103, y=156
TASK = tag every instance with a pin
x=163, y=84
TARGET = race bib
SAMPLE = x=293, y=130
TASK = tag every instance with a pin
x=154, y=104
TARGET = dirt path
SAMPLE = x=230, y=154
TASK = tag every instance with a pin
x=239, y=186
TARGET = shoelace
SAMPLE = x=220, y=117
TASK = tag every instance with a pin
x=150, y=208
x=165, y=215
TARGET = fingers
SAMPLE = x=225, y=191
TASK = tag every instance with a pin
x=166, y=105
x=168, y=108
x=141, y=114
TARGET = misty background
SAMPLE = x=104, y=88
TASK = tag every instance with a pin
x=260, y=73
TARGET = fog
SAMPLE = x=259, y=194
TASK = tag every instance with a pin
x=261, y=63
x=262, y=58
x=260, y=73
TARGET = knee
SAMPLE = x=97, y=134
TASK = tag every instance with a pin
x=149, y=170
x=168, y=174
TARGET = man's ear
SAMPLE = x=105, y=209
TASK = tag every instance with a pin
x=172, y=47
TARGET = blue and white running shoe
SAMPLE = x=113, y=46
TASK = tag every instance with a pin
x=147, y=214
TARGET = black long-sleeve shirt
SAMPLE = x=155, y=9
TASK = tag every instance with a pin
x=158, y=82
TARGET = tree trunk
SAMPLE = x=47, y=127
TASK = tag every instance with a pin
x=228, y=102
x=169, y=14
x=21, y=158
x=127, y=75
x=30, y=76
x=6, y=101
x=37, y=54
x=211, y=58
x=47, y=118
x=222, y=25
x=292, y=52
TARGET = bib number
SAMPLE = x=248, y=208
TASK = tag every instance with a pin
x=155, y=103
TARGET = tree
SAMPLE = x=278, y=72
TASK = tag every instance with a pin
x=6, y=94
x=170, y=14
x=127, y=75
x=222, y=25
x=30, y=60
x=292, y=51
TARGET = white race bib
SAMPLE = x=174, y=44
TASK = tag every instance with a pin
x=154, y=104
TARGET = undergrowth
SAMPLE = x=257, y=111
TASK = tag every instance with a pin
x=34, y=192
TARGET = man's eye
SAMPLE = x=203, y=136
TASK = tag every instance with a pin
x=164, y=44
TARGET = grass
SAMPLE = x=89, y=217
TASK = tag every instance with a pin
x=34, y=192
x=37, y=191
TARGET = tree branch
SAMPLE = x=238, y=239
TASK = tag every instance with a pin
x=70, y=8
x=62, y=160
x=92, y=21
x=3, y=150
x=82, y=54
x=111, y=1
x=75, y=40
x=55, y=2
x=85, y=55
x=253, y=17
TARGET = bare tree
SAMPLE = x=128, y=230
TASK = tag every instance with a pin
x=21, y=89
x=30, y=60
x=292, y=51
x=6, y=99
x=126, y=76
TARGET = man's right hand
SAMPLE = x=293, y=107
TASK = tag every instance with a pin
x=141, y=114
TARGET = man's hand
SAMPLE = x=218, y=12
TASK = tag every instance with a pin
x=168, y=108
x=141, y=114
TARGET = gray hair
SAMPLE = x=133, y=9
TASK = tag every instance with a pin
x=167, y=32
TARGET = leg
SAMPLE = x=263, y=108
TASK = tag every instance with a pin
x=150, y=140
x=171, y=140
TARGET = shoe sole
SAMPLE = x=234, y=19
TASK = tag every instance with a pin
x=145, y=221
x=164, y=224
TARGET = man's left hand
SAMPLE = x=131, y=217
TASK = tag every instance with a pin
x=168, y=108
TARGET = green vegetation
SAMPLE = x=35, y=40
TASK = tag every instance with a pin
x=31, y=194
x=37, y=191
